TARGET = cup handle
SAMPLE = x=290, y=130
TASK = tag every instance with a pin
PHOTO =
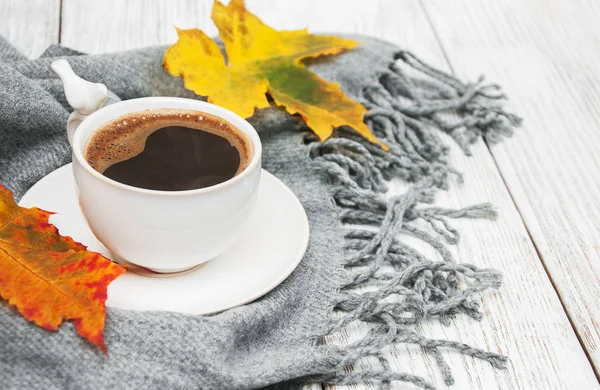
x=83, y=96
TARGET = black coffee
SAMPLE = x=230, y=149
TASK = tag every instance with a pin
x=169, y=150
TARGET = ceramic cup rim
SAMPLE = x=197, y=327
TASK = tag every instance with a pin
x=78, y=146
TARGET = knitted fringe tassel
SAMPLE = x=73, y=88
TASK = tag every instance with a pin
x=408, y=106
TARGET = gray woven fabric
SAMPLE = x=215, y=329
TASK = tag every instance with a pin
x=278, y=339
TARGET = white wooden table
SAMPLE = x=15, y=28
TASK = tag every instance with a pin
x=545, y=180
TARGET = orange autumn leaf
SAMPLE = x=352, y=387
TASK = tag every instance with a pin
x=48, y=277
x=263, y=60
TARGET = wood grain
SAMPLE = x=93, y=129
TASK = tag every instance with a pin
x=95, y=26
x=30, y=25
x=546, y=54
x=524, y=319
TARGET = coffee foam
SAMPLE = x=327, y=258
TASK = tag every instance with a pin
x=125, y=137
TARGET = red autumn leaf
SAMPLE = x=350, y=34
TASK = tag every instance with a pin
x=49, y=277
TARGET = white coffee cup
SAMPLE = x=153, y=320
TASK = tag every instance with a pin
x=165, y=231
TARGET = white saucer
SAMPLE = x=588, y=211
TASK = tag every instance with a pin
x=270, y=247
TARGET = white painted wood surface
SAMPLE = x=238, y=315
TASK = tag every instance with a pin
x=30, y=25
x=525, y=318
x=546, y=54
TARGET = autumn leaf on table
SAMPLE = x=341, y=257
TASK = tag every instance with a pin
x=260, y=60
x=49, y=277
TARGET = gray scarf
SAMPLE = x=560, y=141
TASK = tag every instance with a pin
x=277, y=339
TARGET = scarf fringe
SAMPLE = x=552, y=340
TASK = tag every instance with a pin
x=408, y=106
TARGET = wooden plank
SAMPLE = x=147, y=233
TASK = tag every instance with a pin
x=30, y=25
x=95, y=26
x=525, y=319
x=546, y=53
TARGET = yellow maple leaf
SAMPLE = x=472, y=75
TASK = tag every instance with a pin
x=263, y=60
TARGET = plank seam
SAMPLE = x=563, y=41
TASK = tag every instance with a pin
x=60, y=15
x=436, y=36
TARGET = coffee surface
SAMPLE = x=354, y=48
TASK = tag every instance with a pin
x=169, y=150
